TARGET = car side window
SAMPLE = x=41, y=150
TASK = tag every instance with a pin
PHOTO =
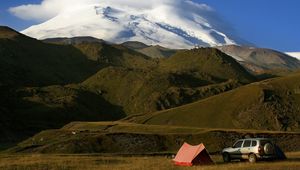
x=247, y=143
x=263, y=142
x=238, y=144
x=254, y=143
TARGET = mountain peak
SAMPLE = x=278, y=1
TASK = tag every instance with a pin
x=166, y=23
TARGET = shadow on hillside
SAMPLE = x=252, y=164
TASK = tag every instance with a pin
x=22, y=116
x=34, y=63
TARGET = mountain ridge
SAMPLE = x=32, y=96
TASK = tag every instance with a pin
x=260, y=60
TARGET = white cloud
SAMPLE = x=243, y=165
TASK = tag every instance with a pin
x=50, y=8
x=46, y=10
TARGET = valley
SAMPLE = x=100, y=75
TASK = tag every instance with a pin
x=117, y=82
x=86, y=99
x=156, y=84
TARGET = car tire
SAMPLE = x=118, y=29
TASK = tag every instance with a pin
x=268, y=149
x=252, y=158
x=226, y=157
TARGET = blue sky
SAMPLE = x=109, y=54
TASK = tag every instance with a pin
x=266, y=23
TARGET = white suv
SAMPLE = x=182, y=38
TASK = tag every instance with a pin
x=251, y=149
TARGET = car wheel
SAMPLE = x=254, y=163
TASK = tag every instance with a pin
x=268, y=148
x=252, y=158
x=226, y=157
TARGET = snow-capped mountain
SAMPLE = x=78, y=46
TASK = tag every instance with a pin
x=169, y=23
x=294, y=54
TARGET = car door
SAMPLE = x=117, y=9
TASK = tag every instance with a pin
x=236, y=150
x=246, y=149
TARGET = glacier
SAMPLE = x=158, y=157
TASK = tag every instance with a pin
x=169, y=23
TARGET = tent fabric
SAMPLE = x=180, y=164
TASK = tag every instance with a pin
x=279, y=153
x=189, y=155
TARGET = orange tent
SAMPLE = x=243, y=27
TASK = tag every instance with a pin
x=189, y=155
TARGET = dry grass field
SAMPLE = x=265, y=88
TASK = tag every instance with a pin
x=96, y=162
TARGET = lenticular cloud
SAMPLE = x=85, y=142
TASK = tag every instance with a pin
x=170, y=23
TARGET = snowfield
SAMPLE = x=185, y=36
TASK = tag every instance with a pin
x=294, y=54
x=169, y=23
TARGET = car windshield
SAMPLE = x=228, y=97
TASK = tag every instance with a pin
x=238, y=144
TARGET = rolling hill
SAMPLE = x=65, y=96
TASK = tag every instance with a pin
x=86, y=79
x=48, y=84
x=73, y=40
x=151, y=51
x=128, y=139
x=268, y=105
x=260, y=60
x=28, y=62
x=208, y=62
x=28, y=110
x=185, y=77
x=106, y=54
x=33, y=77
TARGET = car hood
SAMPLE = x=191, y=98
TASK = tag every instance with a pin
x=227, y=149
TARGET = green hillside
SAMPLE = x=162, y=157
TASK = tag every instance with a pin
x=26, y=111
x=106, y=54
x=183, y=78
x=134, y=139
x=135, y=45
x=151, y=51
x=8, y=33
x=268, y=105
x=73, y=40
x=48, y=84
x=115, y=55
x=28, y=67
x=157, y=52
x=26, y=61
x=210, y=62
x=262, y=60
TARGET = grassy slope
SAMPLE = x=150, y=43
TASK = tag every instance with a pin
x=260, y=60
x=126, y=78
x=26, y=61
x=112, y=162
x=128, y=138
x=209, y=61
x=106, y=54
x=157, y=52
x=183, y=78
x=271, y=104
x=26, y=111
x=151, y=51
x=115, y=55
x=126, y=83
